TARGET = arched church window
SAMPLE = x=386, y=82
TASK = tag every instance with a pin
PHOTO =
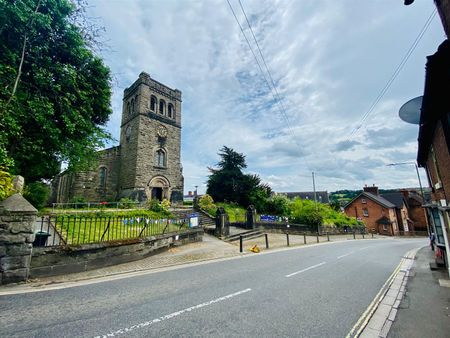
x=162, y=106
x=132, y=105
x=153, y=103
x=128, y=108
x=171, y=111
x=160, y=158
x=102, y=177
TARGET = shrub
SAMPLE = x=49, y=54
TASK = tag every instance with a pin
x=79, y=201
x=126, y=203
x=37, y=194
x=207, y=203
x=165, y=205
x=6, y=184
x=154, y=205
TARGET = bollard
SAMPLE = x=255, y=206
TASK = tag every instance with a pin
x=240, y=244
x=317, y=237
x=287, y=239
x=354, y=236
x=372, y=234
x=304, y=238
x=328, y=236
x=363, y=235
x=267, y=241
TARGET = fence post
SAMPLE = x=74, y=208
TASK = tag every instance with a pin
x=287, y=239
x=304, y=238
x=317, y=235
x=267, y=241
x=328, y=236
x=240, y=243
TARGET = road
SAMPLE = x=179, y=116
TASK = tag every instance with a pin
x=313, y=291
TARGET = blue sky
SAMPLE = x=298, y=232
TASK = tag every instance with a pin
x=328, y=59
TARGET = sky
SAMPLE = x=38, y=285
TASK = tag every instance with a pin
x=329, y=61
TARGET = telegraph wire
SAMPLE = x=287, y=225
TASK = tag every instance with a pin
x=265, y=64
x=260, y=68
x=394, y=75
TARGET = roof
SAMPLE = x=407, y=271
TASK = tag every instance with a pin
x=435, y=103
x=395, y=198
x=377, y=199
x=321, y=196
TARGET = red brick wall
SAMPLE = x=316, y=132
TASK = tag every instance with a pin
x=443, y=165
x=375, y=211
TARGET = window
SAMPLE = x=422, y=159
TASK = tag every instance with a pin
x=365, y=212
x=102, y=177
x=162, y=106
x=132, y=105
x=363, y=201
x=153, y=103
x=171, y=112
x=160, y=159
x=128, y=108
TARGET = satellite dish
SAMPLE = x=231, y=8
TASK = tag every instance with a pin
x=410, y=111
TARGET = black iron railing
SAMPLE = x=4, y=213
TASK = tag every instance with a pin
x=75, y=230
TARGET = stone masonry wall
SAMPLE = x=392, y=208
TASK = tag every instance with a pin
x=52, y=261
x=17, y=217
x=86, y=184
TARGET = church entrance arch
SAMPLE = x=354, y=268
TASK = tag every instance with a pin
x=159, y=188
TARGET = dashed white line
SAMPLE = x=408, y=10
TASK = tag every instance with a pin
x=347, y=254
x=309, y=268
x=171, y=315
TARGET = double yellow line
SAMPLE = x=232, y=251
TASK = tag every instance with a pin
x=365, y=317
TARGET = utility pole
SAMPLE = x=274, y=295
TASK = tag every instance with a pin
x=314, y=189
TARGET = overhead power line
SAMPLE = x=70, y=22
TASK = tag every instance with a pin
x=272, y=88
x=394, y=75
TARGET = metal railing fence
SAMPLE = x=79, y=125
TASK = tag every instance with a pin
x=97, y=205
x=75, y=230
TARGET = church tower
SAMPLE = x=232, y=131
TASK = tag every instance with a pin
x=150, y=142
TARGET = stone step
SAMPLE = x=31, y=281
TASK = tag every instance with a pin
x=246, y=235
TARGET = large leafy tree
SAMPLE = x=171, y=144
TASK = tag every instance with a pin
x=54, y=91
x=229, y=183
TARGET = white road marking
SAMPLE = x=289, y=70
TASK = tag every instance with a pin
x=311, y=267
x=172, y=315
x=347, y=254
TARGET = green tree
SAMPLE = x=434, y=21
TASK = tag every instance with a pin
x=37, y=194
x=54, y=91
x=229, y=183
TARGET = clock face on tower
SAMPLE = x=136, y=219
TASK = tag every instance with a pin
x=161, y=131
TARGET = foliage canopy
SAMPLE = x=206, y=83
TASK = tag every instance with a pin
x=54, y=91
x=229, y=183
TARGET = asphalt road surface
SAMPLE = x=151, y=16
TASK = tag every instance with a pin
x=312, y=291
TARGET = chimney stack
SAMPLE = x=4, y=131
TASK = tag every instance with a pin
x=372, y=190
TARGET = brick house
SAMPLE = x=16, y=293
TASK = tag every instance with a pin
x=434, y=137
x=378, y=214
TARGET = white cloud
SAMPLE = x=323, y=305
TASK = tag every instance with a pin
x=329, y=60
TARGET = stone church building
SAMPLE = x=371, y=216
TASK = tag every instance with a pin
x=147, y=163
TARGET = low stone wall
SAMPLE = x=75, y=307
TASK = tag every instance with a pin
x=17, y=218
x=52, y=261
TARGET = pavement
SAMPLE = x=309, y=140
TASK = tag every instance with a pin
x=414, y=302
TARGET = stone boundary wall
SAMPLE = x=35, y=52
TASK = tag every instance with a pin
x=17, y=217
x=53, y=261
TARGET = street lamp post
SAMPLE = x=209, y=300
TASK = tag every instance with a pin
x=417, y=171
